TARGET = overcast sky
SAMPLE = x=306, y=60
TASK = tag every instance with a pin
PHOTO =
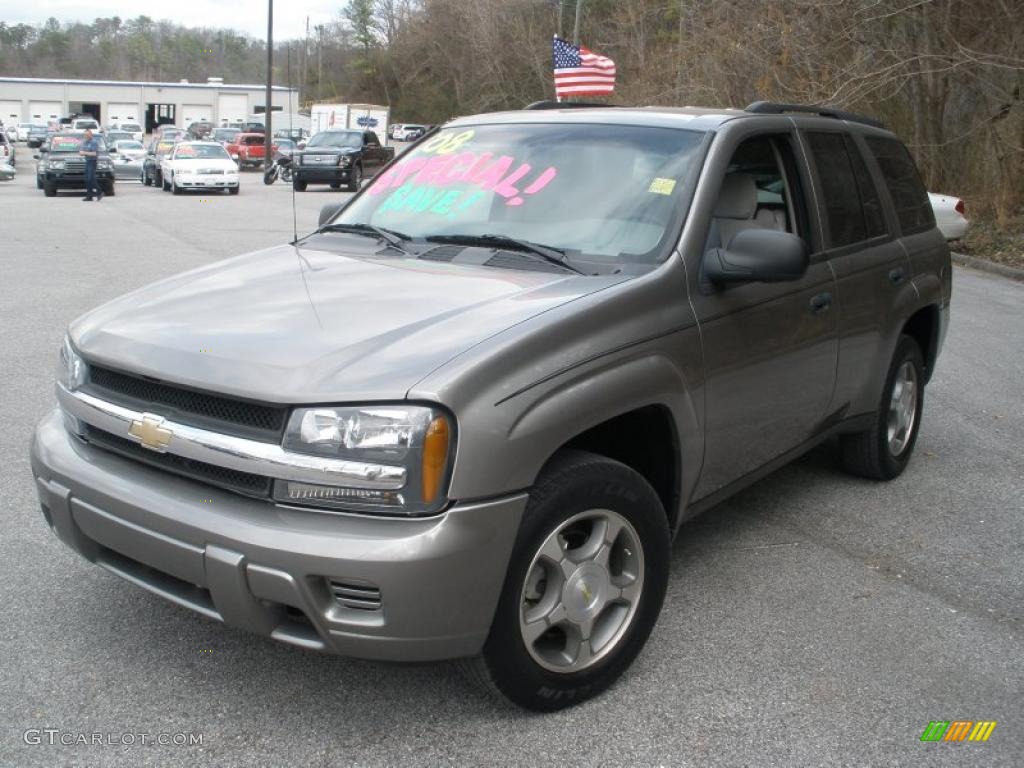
x=247, y=16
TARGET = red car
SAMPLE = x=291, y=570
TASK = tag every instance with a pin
x=247, y=149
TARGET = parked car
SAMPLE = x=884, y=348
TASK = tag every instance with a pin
x=128, y=157
x=37, y=134
x=7, y=172
x=62, y=167
x=393, y=130
x=85, y=124
x=410, y=132
x=10, y=131
x=470, y=418
x=949, y=215
x=225, y=135
x=198, y=165
x=155, y=153
x=114, y=136
x=21, y=131
x=248, y=150
x=199, y=131
x=339, y=157
x=8, y=153
x=170, y=133
x=134, y=129
x=295, y=134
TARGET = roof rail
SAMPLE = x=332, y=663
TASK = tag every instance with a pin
x=565, y=105
x=776, y=108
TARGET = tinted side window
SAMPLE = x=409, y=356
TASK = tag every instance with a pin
x=839, y=189
x=871, y=204
x=909, y=196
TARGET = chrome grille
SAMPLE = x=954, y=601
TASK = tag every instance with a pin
x=318, y=159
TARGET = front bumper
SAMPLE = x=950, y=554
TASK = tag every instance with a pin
x=76, y=180
x=323, y=175
x=226, y=181
x=276, y=570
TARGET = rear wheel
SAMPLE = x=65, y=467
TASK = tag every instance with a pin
x=883, y=451
x=584, y=586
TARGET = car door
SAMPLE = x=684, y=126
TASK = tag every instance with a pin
x=769, y=349
x=872, y=269
x=373, y=155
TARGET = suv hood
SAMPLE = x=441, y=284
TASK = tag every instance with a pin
x=303, y=324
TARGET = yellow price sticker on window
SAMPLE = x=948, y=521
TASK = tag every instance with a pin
x=662, y=186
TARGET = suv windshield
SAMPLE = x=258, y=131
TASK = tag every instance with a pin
x=72, y=143
x=606, y=191
x=337, y=139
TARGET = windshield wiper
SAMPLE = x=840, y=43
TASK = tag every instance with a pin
x=390, y=236
x=546, y=252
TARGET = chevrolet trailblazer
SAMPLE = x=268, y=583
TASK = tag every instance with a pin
x=468, y=414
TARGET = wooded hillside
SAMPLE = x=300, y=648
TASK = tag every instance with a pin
x=948, y=75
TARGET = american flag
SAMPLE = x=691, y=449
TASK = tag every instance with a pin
x=581, y=72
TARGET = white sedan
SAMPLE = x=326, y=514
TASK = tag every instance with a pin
x=199, y=165
x=949, y=215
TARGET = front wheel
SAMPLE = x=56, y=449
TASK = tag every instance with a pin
x=584, y=587
x=108, y=189
x=355, y=179
x=883, y=451
x=298, y=185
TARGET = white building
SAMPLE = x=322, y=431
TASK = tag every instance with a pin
x=42, y=100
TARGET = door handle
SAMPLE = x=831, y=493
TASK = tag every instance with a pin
x=897, y=276
x=821, y=302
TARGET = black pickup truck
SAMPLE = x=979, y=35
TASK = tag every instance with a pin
x=339, y=157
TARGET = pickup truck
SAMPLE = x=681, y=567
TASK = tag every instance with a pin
x=467, y=416
x=339, y=157
x=247, y=149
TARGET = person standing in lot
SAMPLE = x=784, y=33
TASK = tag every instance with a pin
x=90, y=150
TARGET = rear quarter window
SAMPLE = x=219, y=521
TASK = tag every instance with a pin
x=852, y=206
x=909, y=197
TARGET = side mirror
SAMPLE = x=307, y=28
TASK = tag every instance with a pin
x=757, y=255
x=328, y=211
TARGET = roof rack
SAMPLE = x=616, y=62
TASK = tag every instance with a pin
x=565, y=105
x=776, y=108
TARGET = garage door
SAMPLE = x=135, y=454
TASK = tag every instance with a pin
x=232, y=107
x=10, y=112
x=43, y=112
x=123, y=113
x=196, y=113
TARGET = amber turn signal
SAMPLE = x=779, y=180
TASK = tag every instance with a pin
x=435, y=457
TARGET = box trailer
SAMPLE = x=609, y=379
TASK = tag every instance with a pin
x=369, y=117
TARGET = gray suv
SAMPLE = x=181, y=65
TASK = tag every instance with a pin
x=468, y=414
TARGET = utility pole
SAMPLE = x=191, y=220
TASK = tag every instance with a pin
x=320, y=61
x=270, y=84
x=576, y=24
x=561, y=15
x=305, y=66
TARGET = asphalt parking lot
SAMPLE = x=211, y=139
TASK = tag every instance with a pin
x=815, y=619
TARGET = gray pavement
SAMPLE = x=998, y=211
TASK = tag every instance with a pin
x=815, y=619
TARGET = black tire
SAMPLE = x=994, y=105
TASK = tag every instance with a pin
x=298, y=185
x=108, y=189
x=39, y=181
x=574, y=482
x=233, y=190
x=49, y=189
x=868, y=453
x=158, y=180
x=335, y=185
x=175, y=189
x=355, y=179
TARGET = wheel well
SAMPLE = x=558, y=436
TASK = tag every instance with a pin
x=923, y=327
x=644, y=440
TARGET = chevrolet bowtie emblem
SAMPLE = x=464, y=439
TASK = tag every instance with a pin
x=150, y=433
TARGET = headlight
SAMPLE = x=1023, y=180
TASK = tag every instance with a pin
x=55, y=164
x=412, y=438
x=103, y=164
x=345, y=160
x=71, y=370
